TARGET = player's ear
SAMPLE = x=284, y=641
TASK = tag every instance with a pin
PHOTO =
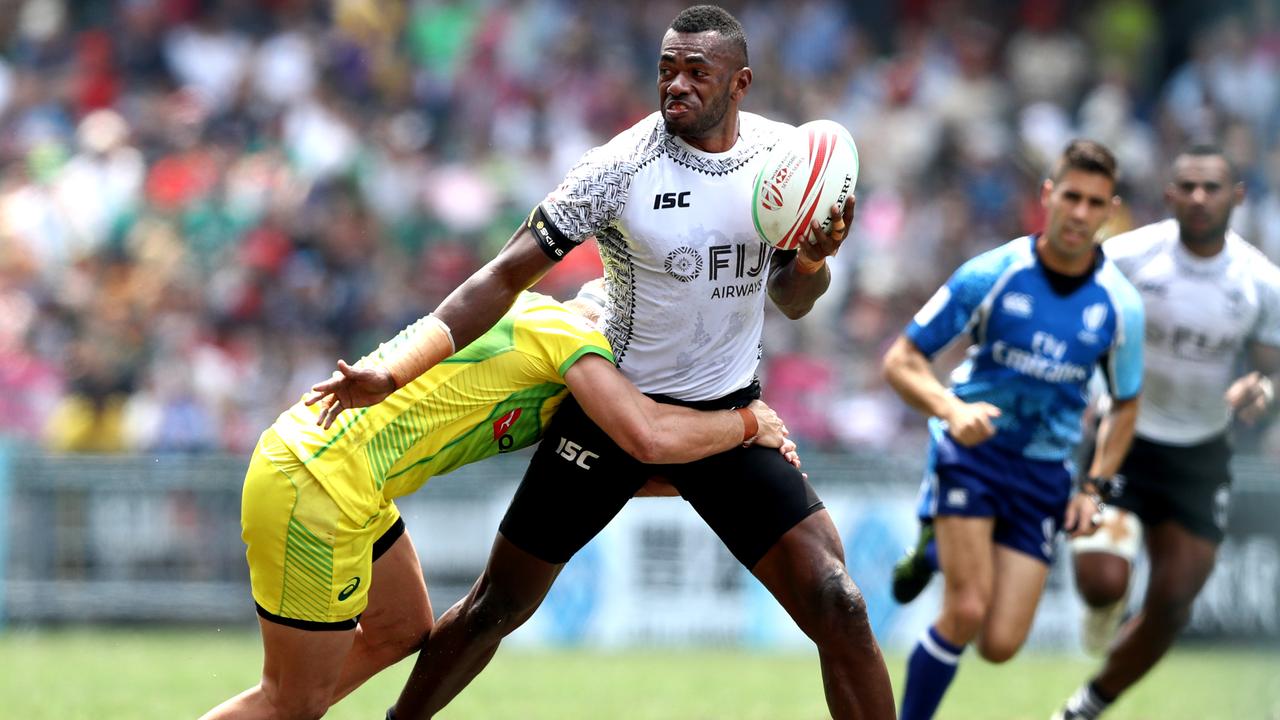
x=741, y=83
x=1046, y=189
x=1237, y=194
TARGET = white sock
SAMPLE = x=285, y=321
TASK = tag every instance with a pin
x=1086, y=703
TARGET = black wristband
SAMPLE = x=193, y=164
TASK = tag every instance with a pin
x=1102, y=485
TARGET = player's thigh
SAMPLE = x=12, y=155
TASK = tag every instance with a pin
x=399, y=609
x=576, y=483
x=1199, y=494
x=301, y=668
x=310, y=565
x=1018, y=584
x=750, y=497
x=965, y=553
x=1181, y=563
x=805, y=558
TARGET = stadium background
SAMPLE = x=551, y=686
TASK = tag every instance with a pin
x=203, y=204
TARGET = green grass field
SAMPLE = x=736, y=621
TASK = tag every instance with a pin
x=108, y=675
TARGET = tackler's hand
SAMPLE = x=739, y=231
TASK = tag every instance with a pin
x=350, y=387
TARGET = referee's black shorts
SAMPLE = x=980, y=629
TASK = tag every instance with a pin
x=579, y=479
x=1190, y=485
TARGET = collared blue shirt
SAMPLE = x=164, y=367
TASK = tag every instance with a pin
x=1034, y=350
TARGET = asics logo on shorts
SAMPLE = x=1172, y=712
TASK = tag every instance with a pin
x=575, y=453
x=346, y=592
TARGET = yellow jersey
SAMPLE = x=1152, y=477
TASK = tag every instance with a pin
x=495, y=395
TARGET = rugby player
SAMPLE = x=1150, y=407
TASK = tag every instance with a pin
x=686, y=282
x=1041, y=312
x=1211, y=299
x=336, y=580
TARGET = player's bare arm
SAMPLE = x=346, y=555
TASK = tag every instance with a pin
x=908, y=371
x=1250, y=397
x=796, y=284
x=1115, y=435
x=654, y=432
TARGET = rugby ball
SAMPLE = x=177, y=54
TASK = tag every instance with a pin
x=810, y=169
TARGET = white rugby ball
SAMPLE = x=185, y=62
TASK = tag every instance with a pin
x=810, y=169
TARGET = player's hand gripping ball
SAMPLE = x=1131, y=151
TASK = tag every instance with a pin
x=810, y=169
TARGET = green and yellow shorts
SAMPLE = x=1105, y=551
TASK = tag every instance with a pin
x=310, y=565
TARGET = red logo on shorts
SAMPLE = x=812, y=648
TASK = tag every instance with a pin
x=504, y=423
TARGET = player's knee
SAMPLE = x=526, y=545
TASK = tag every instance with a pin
x=1101, y=578
x=841, y=600
x=298, y=703
x=492, y=613
x=997, y=648
x=1101, y=589
x=966, y=612
x=997, y=643
x=401, y=641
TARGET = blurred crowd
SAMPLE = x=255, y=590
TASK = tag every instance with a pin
x=205, y=203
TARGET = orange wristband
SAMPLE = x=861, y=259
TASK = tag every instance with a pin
x=750, y=426
x=430, y=342
x=811, y=269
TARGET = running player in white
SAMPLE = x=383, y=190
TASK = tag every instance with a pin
x=1210, y=298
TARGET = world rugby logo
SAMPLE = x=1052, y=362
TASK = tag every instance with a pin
x=770, y=193
x=771, y=197
x=684, y=264
x=1094, y=316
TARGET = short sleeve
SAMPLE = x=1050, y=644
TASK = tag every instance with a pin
x=555, y=338
x=1124, y=371
x=1267, y=328
x=955, y=306
x=594, y=193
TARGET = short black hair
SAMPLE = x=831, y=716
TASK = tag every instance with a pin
x=713, y=18
x=1087, y=156
x=1207, y=149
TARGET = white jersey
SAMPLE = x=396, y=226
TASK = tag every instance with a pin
x=684, y=267
x=1201, y=314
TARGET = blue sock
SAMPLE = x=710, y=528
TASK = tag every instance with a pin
x=930, y=669
x=931, y=554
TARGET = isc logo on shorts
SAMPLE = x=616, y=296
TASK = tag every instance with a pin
x=957, y=497
x=575, y=453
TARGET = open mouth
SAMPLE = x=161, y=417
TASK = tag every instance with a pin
x=676, y=108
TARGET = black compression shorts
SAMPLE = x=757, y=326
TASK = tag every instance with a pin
x=1190, y=485
x=579, y=479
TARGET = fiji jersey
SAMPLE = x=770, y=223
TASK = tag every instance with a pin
x=684, y=266
x=1034, y=350
x=495, y=395
x=1201, y=313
